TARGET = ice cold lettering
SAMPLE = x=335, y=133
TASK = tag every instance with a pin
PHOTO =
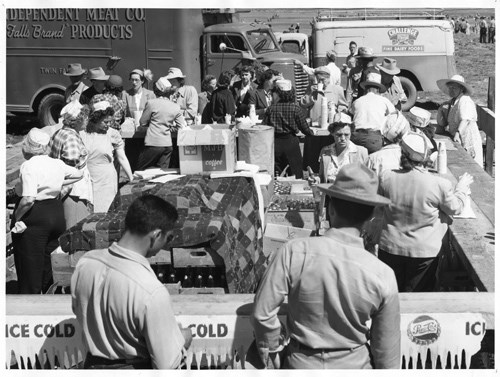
x=25, y=330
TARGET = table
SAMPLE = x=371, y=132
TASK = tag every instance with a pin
x=221, y=213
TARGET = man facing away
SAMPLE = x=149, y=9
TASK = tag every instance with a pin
x=334, y=287
x=125, y=312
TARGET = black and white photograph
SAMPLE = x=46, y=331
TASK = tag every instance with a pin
x=223, y=185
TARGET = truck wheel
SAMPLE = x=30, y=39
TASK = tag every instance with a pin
x=411, y=93
x=50, y=108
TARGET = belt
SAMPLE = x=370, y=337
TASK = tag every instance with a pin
x=97, y=362
x=303, y=347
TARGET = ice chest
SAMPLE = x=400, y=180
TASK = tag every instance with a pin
x=207, y=150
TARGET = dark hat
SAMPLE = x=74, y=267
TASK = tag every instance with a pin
x=115, y=81
x=74, y=69
x=355, y=183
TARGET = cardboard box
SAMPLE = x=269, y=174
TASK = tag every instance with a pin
x=196, y=257
x=277, y=235
x=207, y=150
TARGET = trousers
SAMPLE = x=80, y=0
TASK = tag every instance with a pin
x=412, y=274
x=32, y=248
x=287, y=152
x=370, y=139
x=154, y=156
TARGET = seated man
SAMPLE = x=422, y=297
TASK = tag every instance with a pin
x=125, y=312
x=334, y=287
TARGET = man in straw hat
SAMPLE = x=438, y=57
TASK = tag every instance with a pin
x=414, y=228
x=75, y=73
x=334, y=286
x=370, y=113
x=358, y=74
x=161, y=117
x=98, y=79
x=395, y=92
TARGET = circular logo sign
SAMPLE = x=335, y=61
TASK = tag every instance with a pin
x=424, y=330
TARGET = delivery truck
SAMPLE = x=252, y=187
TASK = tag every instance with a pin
x=421, y=42
x=42, y=42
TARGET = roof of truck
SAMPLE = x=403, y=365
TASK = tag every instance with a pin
x=235, y=27
x=380, y=23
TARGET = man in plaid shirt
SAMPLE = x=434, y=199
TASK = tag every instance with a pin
x=287, y=118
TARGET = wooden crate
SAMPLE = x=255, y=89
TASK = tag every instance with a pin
x=196, y=257
x=63, y=264
x=277, y=235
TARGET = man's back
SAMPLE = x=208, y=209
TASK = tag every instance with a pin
x=334, y=287
x=124, y=310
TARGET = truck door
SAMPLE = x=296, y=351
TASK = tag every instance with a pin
x=218, y=60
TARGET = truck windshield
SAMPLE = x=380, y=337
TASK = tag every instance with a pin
x=262, y=41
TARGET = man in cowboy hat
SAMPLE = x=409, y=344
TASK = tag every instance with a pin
x=334, y=286
x=369, y=114
x=75, y=73
x=98, y=79
x=395, y=92
x=364, y=66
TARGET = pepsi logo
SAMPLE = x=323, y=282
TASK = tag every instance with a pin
x=424, y=330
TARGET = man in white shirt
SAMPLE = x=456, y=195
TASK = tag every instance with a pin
x=125, y=312
x=370, y=113
x=335, y=73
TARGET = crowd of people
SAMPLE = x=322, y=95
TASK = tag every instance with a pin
x=376, y=175
x=482, y=25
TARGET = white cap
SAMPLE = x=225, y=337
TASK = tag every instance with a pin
x=102, y=105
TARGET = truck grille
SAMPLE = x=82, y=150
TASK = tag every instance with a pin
x=301, y=81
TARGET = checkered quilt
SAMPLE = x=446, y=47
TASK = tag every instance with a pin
x=222, y=212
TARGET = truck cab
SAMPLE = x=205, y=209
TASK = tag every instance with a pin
x=226, y=45
x=297, y=43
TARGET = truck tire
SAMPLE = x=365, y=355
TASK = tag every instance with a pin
x=411, y=93
x=50, y=108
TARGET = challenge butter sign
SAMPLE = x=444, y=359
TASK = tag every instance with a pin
x=403, y=39
x=213, y=157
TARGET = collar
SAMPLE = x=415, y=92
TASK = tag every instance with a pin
x=351, y=148
x=130, y=255
x=346, y=238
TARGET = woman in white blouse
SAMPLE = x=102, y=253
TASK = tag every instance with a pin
x=459, y=116
x=39, y=216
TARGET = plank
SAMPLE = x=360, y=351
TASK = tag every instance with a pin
x=242, y=304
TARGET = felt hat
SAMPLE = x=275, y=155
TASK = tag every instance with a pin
x=174, y=73
x=74, y=69
x=35, y=142
x=415, y=147
x=374, y=79
x=101, y=105
x=323, y=70
x=284, y=85
x=365, y=53
x=115, y=81
x=331, y=55
x=162, y=84
x=388, y=65
x=458, y=79
x=396, y=125
x=419, y=117
x=355, y=183
x=97, y=73
x=72, y=109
